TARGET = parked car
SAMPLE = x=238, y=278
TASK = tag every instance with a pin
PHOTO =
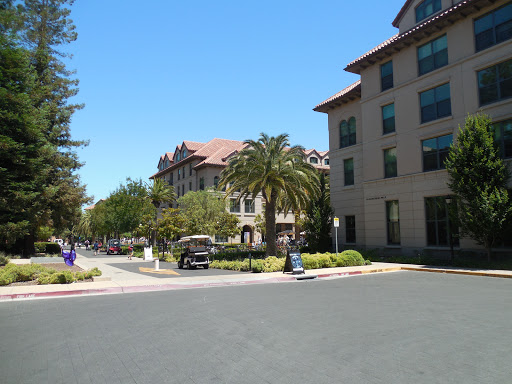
x=195, y=253
x=113, y=246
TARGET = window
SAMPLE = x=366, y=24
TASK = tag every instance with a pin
x=348, y=132
x=495, y=83
x=386, y=76
x=249, y=206
x=189, y=185
x=348, y=166
x=201, y=183
x=182, y=189
x=393, y=222
x=179, y=174
x=326, y=161
x=435, y=103
x=177, y=157
x=437, y=221
x=171, y=179
x=350, y=229
x=390, y=162
x=435, y=152
x=184, y=172
x=190, y=169
x=313, y=160
x=503, y=137
x=433, y=55
x=493, y=28
x=234, y=206
x=427, y=8
x=216, y=181
x=388, y=118
x=184, y=154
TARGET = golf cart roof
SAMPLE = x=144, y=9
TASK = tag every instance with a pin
x=195, y=237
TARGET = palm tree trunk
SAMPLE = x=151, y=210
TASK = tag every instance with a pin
x=270, y=218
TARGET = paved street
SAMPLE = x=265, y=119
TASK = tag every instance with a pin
x=400, y=327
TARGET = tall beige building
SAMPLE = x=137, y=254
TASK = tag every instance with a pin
x=196, y=166
x=390, y=131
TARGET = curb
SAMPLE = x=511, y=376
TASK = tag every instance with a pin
x=458, y=272
x=276, y=279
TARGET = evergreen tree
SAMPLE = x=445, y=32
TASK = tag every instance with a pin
x=51, y=192
x=479, y=178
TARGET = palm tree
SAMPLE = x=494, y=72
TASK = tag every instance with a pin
x=279, y=173
x=159, y=193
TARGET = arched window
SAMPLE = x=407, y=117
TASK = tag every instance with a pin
x=348, y=132
x=177, y=157
x=184, y=154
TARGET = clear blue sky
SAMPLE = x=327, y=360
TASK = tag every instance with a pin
x=155, y=73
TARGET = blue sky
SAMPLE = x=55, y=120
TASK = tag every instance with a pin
x=155, y=73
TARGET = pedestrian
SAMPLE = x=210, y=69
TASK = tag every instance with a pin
x=131, y=251
x=95, y=247
x=87, y=244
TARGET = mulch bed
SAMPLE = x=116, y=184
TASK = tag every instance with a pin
x=57, y=267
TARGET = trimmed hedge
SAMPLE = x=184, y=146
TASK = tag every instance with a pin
x=48, y=248
x=27, y=272
x=310, y=261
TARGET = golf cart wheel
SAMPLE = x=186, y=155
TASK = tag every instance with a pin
x=206, y=266
x=189, y=266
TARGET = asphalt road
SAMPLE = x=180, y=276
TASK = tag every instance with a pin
x=401, y=327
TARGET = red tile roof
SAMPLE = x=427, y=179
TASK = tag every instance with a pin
x=417, y=30
x=352, y=91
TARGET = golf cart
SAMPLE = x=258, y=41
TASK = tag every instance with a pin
x=113, y=246
x=196, y=253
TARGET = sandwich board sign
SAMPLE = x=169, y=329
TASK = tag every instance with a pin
x=293, y=263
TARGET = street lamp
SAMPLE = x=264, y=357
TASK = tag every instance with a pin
x=448, y=201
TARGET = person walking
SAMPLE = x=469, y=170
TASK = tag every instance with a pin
x=95, y=247
x=130, y=255
x=87, y=244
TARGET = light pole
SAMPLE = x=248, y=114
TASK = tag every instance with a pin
x=448, y=201
x=336, y=225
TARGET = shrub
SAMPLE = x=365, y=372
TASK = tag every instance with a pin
x=257, y=266
x=63, y=277
x=3, y=259
x=40, y=247
x=92, y=272
x=79, y=276
x=350, y=258
x=44, y=278
x=309, y=261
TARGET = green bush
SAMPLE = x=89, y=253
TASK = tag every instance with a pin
x=63, y=277
x=40, y=247
x=4, y=259
x=257, y=266
x=309, y=261
x=92, y=272
x=79, y=276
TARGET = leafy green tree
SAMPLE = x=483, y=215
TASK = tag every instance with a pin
x=318, y=221
x=227, y=225
x=279, y=173
x=202, y=210
x=41, y=187
x=259, y=224
x=171, y=224
x=479, y=178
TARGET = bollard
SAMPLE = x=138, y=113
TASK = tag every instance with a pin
x=250, y=262
x=157, y=264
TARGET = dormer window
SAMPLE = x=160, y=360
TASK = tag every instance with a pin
x=326, y=161
x=427, y=8
x=184, y=154
x=313, y=160
x=177, y=157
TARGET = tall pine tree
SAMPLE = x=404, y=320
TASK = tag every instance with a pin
x=42, y=186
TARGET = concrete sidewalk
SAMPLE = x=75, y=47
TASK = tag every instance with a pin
x=116, y=280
